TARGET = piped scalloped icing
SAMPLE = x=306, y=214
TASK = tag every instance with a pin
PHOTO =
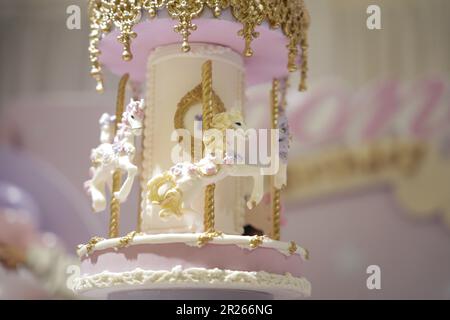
x=198, y=277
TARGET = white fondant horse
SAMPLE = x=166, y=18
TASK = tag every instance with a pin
x=115, y=154
x=173, y=192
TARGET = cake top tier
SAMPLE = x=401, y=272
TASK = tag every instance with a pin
x=272, y=32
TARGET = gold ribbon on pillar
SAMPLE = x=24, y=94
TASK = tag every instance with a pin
x=115, y=203
x=208, y=112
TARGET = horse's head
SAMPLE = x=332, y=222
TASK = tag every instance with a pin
x=134, y=116
x=232, y=119
x=221, y=122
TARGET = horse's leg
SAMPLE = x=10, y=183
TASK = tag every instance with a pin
x=258, y=182
x=97, y=189
x=257, y=192
x=131, y=169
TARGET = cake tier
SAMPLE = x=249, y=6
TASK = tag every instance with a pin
x=169, y=261
x=174, y=101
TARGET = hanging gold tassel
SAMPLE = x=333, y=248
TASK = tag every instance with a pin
x=209, y=216
x=276, y=193
x=115, y=203
x=304, y=67
x=304, y=44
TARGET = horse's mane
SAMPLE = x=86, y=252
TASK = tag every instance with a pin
x=221, y=122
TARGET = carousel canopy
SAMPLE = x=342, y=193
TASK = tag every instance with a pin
x=272, y=32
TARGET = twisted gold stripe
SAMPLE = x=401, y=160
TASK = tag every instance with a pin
x=115, y=203
x=207, y=93
x=304, y=67
x=276, y=193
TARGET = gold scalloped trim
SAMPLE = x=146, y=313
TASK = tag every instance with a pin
x=291, y=16
x=206, y=237
x=256, y=241
x=125, y=241
x=91, y=243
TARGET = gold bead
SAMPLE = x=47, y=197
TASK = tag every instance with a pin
x=186, y=47
x=127, y=55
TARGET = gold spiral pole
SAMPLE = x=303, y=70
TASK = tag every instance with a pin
x=207, y=97
x=276, y=193
x=115, y=203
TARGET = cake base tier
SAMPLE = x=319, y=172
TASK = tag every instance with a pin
x=140, y=283
x=149, y=265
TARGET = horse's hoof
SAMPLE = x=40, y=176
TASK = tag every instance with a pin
x=98, y=206
x=119, y=197
x=251, y=204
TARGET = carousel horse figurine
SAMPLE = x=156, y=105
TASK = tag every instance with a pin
x=115, y=154
x=172, y=193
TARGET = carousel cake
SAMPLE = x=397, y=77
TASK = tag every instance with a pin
x=196, y=174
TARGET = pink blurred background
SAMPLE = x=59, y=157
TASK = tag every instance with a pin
x=48, y=124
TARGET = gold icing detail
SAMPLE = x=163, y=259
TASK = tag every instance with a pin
x=92, y=242
x=171, y=201
x=125, y=241
x=185, y=11
x=126, y=13
x=152, y=6
x=276, y=193
x=250, y=14
x=217, y=6
x=206, y=237
x=188, y=101
x=290, y=16
x=98, y=24
x=256, y=241
x=292, y=247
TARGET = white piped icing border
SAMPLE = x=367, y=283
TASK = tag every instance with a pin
x=191, y=239
x=197, y=277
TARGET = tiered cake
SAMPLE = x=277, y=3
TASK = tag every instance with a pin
x=195, y=184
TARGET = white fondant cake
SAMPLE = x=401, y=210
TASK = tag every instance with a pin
x=185, y=239
x=175, y=261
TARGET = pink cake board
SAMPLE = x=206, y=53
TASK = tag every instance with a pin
x=269, y=59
